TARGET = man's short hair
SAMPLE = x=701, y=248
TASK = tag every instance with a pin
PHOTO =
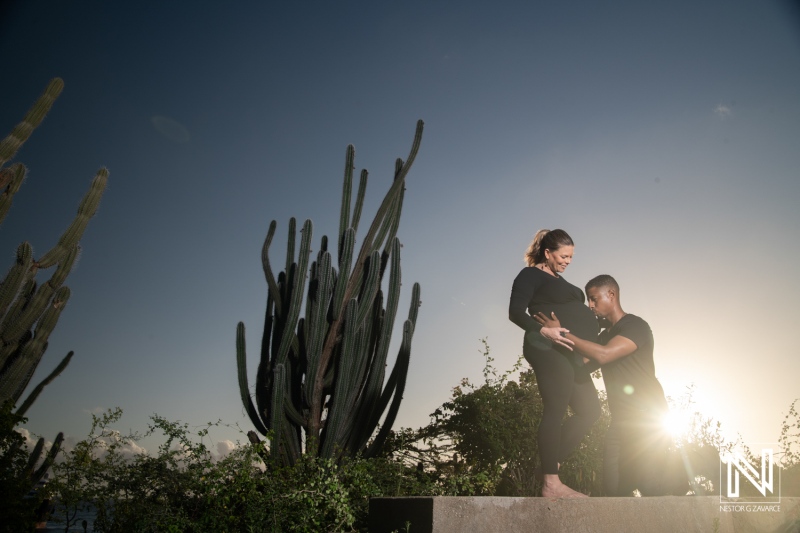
x=603, y=280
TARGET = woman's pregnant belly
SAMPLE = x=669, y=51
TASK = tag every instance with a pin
x=575, y=316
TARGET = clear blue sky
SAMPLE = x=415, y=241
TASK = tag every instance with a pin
x=664, y=137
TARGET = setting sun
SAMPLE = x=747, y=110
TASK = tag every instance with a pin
x=677, y=422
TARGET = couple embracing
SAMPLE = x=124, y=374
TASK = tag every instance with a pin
x=564, y=344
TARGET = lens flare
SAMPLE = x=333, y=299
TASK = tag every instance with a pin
x=677, y=423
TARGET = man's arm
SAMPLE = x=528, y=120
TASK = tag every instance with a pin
x=616, y=348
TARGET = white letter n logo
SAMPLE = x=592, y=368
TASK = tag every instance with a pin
x=741, y=465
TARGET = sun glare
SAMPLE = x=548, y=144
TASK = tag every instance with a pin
x=677, y=422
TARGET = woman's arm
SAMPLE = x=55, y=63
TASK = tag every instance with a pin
x=521, y=294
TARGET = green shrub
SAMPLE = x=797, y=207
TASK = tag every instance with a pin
x=17, y=512
x=183, y=487
x=483, y=440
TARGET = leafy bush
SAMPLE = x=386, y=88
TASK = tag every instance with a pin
x=183, y=487
x=481, y=442
x=488, y=432
x=18, y=513
x=790, y=445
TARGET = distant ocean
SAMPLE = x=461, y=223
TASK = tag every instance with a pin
x=76, y=527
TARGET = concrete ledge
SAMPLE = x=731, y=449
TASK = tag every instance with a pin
x=667, y=514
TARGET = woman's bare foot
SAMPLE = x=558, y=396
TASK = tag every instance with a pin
x=553, y=488
x=538, y=473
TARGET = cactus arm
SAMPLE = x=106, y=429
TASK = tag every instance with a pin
x=263, y=372
x=313, y=287
x=351, y=372
x=367, y=341
x=347, y=194
x=413, y=310
x=395, y=223
x=6, y=176
x=369, y=240
x=9, y=288
x=294, y=416
x=392, y=301
x=46, y=381
x=386, y=206
x=23, y=300
x=86, y=210
x=276, y=415
x=11, y=178
x=19, y=371
x=290, y=242
x=273, y=286
x=330, y=342
x=391, y=220
x=37, y=475
x=244, y=388
x=368, y=413
x=9, y=350
x=296, y=294
x=10, y=345
x=318, y=324
x=344, y=382
x=362, y=191
x=370, y=289
x=399, y=373
x=398, y=166
x=22, y=132
x=292, y=420
x=47, y=322
x=12, y=329
x=412, y=155
x=64, y=267
x=345, y=262
x=33, y=458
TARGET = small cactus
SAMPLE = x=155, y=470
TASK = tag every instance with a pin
x=320, y=380
x=29, y=311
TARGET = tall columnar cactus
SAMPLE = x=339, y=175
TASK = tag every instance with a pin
x=29, y=311
x=320, y=382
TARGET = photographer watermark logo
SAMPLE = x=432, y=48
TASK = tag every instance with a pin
x=763, y=477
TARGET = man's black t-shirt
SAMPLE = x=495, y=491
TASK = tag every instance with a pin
x=631, y=381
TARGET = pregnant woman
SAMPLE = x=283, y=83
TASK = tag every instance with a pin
x=562, y=378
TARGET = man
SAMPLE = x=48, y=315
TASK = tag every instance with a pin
x=636, y=443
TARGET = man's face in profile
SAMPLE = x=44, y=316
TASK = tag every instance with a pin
x=601, y=301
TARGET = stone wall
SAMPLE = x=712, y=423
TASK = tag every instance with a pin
x=669, y=514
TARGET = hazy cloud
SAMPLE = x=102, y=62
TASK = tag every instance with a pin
x=723, y=111
x=224, y=448
x=127, y=447
x=30, y=439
